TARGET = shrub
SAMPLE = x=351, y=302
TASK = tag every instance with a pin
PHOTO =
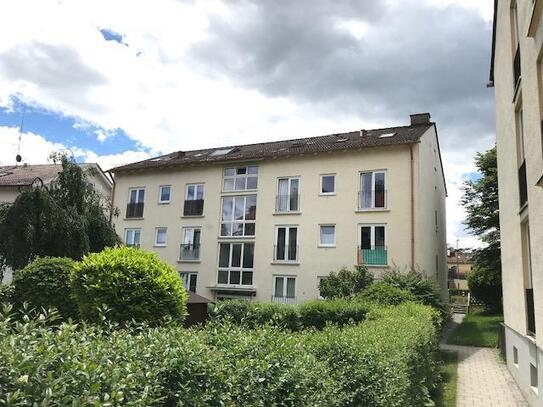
x=133, y=284
x=345, y=283
x=318, y=314
x=6, y=293
x=45, y=283
x=385, y=294
x=486, y=287
x=420, y=286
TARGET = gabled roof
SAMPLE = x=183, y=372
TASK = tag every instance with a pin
x=26, y=175
x=312, y=145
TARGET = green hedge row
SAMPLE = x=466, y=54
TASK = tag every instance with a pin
x=312, y=314
x=386, y=361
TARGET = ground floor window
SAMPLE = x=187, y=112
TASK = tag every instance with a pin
x=132, y=237
x=285, y=286
x=373, y=245
x=189, y=280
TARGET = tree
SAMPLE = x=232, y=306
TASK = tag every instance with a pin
x=345, y=283
x=68, y=219
x=480, y=200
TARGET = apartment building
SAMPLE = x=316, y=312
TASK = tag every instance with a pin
x=516, y=74
x=269, y=220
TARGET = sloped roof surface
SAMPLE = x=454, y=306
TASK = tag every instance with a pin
x=24, y=175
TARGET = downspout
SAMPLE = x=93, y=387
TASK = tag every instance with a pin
x=412, y=207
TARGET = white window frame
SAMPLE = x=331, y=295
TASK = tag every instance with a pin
x=278, y=194
x=321, y=244
x=287, y=234
x=133, y=231
x=372, y=234
x=157, y=244
x=372, y=207
x=231, y=268
x=237, y=176
x=285, y=281
x=187, y=235
x=186, y=277
x=234, y=221
x=160, y=201
x=321, y=178
x=196, y=185
x=137, y=194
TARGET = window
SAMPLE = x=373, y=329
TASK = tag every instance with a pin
x=236, y=263
x=327, y=235
x=372, y=190
x=286, y=244
x=160, y=236
x=132, y=237
x=194, y=200
x=238, y=215
x=164, y=194
x=190, y=248
x=515, y=356
x=328, y=184
x=134, y=208
x=221, y=151
x=373, y=250
x=284, y=287
x=240, y=178
x=189, y=280
x=288, y=198
x=520, y=137
x=533, y=377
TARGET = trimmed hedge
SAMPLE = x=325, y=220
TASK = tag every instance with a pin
x=385, y=294
x=388, y=361
x=134, y=285
x=45, y=283
x=312, y=314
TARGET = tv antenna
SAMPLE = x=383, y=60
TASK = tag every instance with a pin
x=18, y=157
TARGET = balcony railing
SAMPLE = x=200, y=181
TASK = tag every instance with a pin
x=190, y=252
x=522, y=185
x=530, y=311
x=287, y=203
x=134, y=210
x=372, y=199
x=516, y=67
x=193, y=207
x=373, y=257
x=286, y=254
x=284, y=300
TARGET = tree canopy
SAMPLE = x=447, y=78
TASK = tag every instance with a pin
x=66, y=219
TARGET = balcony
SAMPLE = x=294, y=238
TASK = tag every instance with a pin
x=530, y=311
x=522, y=185
x=373, y=257
x=134, y=210
x=193, y=207
x=287, y=203
x=284, y=300
x=189, y=252
x=516, y=68
x=373, y=199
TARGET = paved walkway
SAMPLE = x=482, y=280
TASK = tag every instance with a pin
x=483, y=379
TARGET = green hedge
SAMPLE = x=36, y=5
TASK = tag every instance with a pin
x=386, y=361
x=385, y=294
x=312, y=314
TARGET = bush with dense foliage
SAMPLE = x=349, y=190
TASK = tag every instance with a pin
x=387, y=361
x=385, y=294
x=485, y=286
x=312, y=314
x=45, y=283
x=345, y=283
x=425, y=290
x=132, y=284
x=6, y=293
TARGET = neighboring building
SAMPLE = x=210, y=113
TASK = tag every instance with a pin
x=269, y=220
x=459, y=266
x=517, y=75
x=17, y=178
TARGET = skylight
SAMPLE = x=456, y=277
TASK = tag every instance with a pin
x=387, y=135
x=221, y=151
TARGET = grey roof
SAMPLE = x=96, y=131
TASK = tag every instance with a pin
x=25, y=175
x=197, y=299
x=354, y=140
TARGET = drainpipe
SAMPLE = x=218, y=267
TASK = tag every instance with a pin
x=412, y=207
x=111, y=209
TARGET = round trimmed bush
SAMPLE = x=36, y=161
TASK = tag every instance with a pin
x=131, y=283
x=385, y=294
x=45, y=283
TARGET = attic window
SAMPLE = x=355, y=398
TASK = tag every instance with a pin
x=222, y=151
x=387, y=135
x=342, y=140
x=296, y=144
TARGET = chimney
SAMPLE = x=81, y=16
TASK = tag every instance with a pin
x=363, y=133
x=420, y=118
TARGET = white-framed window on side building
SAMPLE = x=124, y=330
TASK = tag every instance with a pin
x=132, y=237
x=328, y=184
x=327, y=235
x=373, y=245
x=286, y=244
x=373, y=193
x=236, y=262
x=288, y=195
x=136, y=198
x=238, y=216
x=164, y=194
x=160, y=236
x=190, y=247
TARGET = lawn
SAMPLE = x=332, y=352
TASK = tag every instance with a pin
x=446, y=394
x=479, y=328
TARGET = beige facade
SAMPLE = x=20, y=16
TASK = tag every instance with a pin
x=517, y=77
x=292, y=249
